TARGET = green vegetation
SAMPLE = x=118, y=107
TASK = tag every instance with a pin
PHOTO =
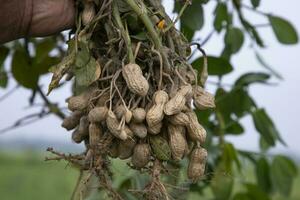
x=26, y=176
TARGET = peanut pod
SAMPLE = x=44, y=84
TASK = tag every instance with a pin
x=139, y=129
x=72, y=121
x=196, y=165
x=195, y=130
x=98, y=114
x=177, y=141
x=176, y=104
x=160, y=148
x=156, y=113
x=141, y=155
x=135, y=80
x=203, y=99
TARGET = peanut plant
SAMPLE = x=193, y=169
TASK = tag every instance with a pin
x=139, y=95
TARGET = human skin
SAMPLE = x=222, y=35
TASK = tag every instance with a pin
x=34, y=18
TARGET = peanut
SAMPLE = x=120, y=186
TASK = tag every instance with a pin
x=139, y=129
x=98, y=114
x=176, y=104
x=141, y=155
x=155, y=114
x=196, y=165
x=203, y=99
x=177, y=141
x=113, y=150
x=122, y=111
x=113, y=126
x=135, y=80
x=88, y=13
x=138, y=115
x=155, y=129
x=72, y=121
x=179, y=119
x=82, y=131
x=160, y=148
x=95, y=133
x=125, y=148
x=195, y=131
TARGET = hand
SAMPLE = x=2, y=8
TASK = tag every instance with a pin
x=34, y=18
x=51, y=16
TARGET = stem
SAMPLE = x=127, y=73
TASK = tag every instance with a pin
x=187, y=2
x=124, y=32
x=142, y=14
x=51, y=106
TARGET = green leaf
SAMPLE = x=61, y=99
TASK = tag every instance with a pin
x=234, y=39
x=43, y=66
x=255, y=192
x=187, y=32
x=283, y=172
x=3, y=54
x=234, y=128
x=263, y=174
x=216, y=66
x=60, y=70
x=140, y=36
x=221, y=183
x=23, y=71
x=229, y=156
x=265, y=126
x=86, y=75
x=221, y=16
x=192, y=18
x=241, y=102
x=86, y=69
x=250, y=78
x=255, y=3
x=265, y=65
x=241, y=196
x=284, y=30
x=3, y=79
x=43, y=49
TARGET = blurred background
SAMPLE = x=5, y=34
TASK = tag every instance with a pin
x=22, y=150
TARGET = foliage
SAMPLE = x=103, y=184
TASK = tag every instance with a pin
x=32, y=58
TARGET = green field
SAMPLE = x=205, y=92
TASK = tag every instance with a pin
x=26, y=176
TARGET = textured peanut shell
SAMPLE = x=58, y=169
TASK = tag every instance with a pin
x=113, y=125
x=139, y=129
x=135, y=80
x=202, y=99
x=72, y=121
x=176, y=104
x=80, y=102
x=98, y=114
x=155, y=129
x=197, y=163
x=141, y=155
x=177, y=141
x=156, y=113
x=82, y=131
x=125, y=148
x=138, y=115
x=95, y=133
x=113, y=150
x=160, y=148
x=179, y=119
x=195, y=130
x=88, y=13
x=121, y=111
x=77, y=102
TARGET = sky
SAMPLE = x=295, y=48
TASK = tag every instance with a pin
x=281, y=101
